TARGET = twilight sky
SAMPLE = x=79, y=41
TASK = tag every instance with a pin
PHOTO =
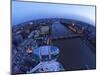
x=26, y=11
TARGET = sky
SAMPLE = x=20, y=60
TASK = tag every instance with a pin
x=26, y=11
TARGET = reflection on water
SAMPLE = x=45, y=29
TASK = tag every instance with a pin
x=74, y=39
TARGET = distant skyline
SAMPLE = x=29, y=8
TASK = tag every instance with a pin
x=26, y=11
